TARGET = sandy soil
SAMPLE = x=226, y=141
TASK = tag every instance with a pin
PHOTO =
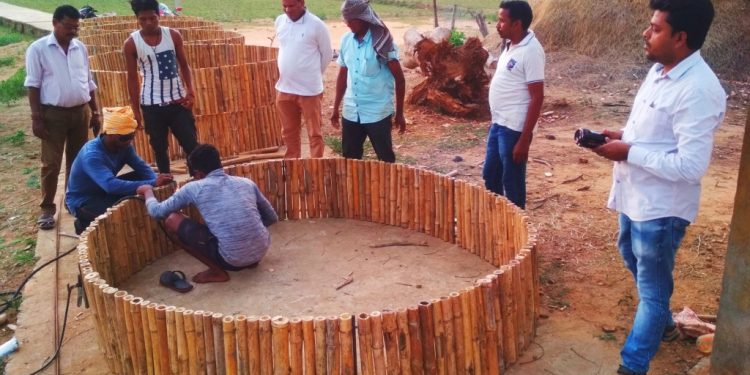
x=585, y=285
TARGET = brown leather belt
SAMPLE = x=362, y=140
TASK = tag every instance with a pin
x=56, y=108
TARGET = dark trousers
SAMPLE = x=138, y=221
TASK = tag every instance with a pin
x=353, y=135
x=158, y=120
x=98, y=205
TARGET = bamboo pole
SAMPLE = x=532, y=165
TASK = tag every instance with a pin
x=308, y=344
x=148, y=320
x=253, y=345
x=346, y=335
x=230, y=345
x=333, y=348
x=200, y=342
x=182, y=350
x=449, y=351
x=404, y=347
x=491, y=358
x=266, y=345
x=366, y=355
x=139, y=331
x=376, y=335
x=172, y=339
x=439, y=330
x=162, y=339
x=188, y=321
x=280, y=334
x=428, y=336
x=126, y=322
x=415, y=341
x=243, y=360
x=390, y=338
x=469, y=365
x=208, y=340
x=295, y=346
x=217, y=326
x=319, y=328
x=458, y=331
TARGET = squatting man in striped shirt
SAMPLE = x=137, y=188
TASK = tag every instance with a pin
x=235, y=211
x=164, y=101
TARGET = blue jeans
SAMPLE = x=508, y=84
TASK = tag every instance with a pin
x=501, y=175
x=648, y=249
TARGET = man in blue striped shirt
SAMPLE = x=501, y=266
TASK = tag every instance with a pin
x=235, y=211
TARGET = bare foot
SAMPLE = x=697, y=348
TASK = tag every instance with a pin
x=211, y=276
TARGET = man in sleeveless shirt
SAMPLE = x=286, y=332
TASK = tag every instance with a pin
x=164, y=101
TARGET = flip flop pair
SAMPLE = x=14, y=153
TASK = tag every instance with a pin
x=176, y=281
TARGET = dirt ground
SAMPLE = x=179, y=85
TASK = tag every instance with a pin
x=585, y=285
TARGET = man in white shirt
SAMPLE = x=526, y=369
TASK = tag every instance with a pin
x=60, y=87
x=516, y=94
x=304, y=54
x=660, y=157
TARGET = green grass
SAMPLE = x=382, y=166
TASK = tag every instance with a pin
x=16, y=139
x=28, y=170
x=33, y=182
x=457, y=38
x=9, y=36
x=607, y=336
x=7, y=61
x=258, y=9
x=12, y=88
x=333, y=142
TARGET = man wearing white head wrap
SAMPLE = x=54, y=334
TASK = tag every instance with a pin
x=370, y=73
x=94, y=185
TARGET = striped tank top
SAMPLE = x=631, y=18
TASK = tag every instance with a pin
x=161, y=81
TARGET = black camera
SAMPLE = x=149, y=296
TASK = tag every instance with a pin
x=589, y=139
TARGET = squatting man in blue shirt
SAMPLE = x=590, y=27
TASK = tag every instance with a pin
x=660, y=157
x=236, y=215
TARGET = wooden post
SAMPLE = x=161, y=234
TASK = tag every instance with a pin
x=346, y=335
x=280, y=334
x=428, y=336
x=243, y=360
x=266, y=345
x=390, y=337
x=482, y=24
x=218, y=332
x=366, y=360
x=376, y=337
x=319, y=328
x=295, y=346
x=731, y=354
x=230, y=345
x=333, y=349
x=404, y=347
x=435, y=12
x=182, y=345
x=253, y=345
x=453, y=17
x=415, y=341
x=308, y=342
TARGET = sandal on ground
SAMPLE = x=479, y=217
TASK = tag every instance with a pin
x=176, y=281
x=46, y=221
x=670, y=334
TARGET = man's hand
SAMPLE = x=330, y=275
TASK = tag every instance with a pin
x=188, y=100
x=335, y=118
x=95, y=124
x=37, y=127
x=613, y=150
x=521, y=150
x=163, y=179
x=401, y=122
x=612, y=134
x=144, y=190
x=138, y=118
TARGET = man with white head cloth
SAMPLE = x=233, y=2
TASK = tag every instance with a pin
x=94, y=184
x=370, y=73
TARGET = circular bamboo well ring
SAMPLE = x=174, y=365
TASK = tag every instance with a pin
x=479, y=328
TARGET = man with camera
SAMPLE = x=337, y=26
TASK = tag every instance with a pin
x=660, y=157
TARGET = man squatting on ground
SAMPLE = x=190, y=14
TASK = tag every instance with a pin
x=304, y=53
x=94, y=184
x=369, y=70
x=60, y=85
x=164, y=101
x=235, y=211
x=516, y=94
x=660, y=157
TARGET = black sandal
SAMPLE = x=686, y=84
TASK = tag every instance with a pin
x=176, y=281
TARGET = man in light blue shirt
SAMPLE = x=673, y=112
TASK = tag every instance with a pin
x=235, y=211
x=370, y=71
x=660, y=157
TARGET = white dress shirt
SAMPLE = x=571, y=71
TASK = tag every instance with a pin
x=304, y=54
x=517, y=67
x=671, y=132
x=63, y=80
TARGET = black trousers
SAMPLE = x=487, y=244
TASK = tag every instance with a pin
x=353, y=135
x=159, y=120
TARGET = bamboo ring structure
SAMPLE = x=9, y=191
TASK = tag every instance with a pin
x=479, y=329
x=234, y=104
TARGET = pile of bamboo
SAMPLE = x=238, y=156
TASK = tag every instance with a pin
x=479, y=329
x=234, y=84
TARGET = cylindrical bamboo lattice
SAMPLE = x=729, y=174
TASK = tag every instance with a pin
x=479, y=329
